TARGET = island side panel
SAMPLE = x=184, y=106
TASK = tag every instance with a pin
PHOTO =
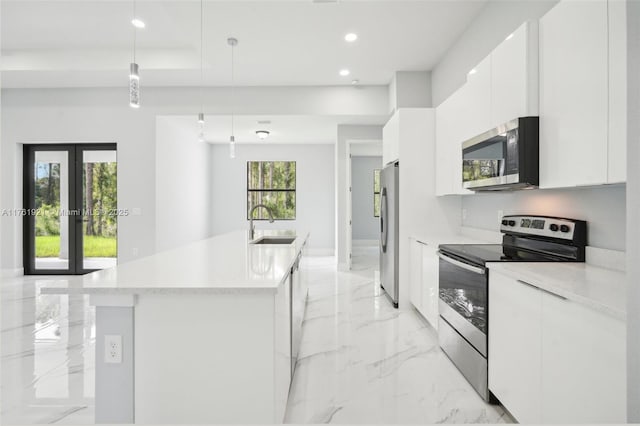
x=204, y=358
x=114, y=381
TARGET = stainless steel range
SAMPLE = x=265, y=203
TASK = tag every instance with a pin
x=464, y=279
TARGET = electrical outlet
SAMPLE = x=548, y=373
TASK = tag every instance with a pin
x=112, y=349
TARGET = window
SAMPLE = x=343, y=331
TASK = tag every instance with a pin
x=376, y=193
x=272, y=183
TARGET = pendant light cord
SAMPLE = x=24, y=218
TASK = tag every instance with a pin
x=233, y=89
x=201, y=54
x=135, y=32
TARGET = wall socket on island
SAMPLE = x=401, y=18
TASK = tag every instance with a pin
x=112, y=349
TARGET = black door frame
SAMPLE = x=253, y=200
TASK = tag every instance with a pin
x=75, y=172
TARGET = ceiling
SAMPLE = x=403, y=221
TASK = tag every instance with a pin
x=57, y=43
x=283, y=129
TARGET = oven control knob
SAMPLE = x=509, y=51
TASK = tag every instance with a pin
x=505, y=222
x=554, y=227
x=512, y=223
x=564, y=228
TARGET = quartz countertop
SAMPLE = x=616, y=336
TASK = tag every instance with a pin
x=221, y=264
x=599, y=288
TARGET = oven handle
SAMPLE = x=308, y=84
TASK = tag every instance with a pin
x=466, y=266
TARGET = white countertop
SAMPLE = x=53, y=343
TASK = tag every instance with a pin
x=599, y=288
x=222, y=264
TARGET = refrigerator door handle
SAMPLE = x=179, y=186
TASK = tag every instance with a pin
x=384, y=226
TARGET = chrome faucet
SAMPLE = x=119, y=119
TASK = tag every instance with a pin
x=251, y=227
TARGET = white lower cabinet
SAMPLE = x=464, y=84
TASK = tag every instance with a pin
x=583, y=356
x=553, y=360
x=515, y=323
x=423, y=276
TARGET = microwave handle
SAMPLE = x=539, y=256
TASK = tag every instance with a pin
x=466, y=266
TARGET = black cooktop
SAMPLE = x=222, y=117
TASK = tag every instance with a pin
x=482, y=253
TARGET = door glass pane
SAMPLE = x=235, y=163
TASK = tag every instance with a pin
x=100, y=209
x=51, y=192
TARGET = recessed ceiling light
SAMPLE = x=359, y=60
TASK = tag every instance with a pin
x=262, y=134
x=138, y=23
x=351, y=37
x=509, y=37
x=345, y=72
x=473, y=71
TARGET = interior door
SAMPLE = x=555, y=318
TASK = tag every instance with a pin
x=71, y=214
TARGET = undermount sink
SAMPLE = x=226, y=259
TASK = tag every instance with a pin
x=274, y=240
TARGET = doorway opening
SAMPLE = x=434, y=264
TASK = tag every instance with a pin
x=71, y=205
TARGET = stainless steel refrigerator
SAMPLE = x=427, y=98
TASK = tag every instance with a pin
x=389, y=177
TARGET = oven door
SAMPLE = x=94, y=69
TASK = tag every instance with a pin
x=463, y=299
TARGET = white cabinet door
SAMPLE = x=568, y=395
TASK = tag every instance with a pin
x=415, y=273
x=573, y=94
x=445, y=155
x=391, y=139
x=514, y=76
x=475, y=117
x=617, y=166
x=458, y=133
x=584, y=364
x=430, y=286
x=282, y=355
x=514, y=346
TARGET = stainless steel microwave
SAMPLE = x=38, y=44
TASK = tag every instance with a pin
x=504, y=158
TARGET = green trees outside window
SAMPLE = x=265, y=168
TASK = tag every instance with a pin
x=272, y=183
x=376, y=193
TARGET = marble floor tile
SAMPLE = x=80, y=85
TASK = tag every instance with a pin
x=361, y=360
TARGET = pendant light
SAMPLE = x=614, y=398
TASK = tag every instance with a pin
x=201, y=113
x=232, y=140
x=134, y=77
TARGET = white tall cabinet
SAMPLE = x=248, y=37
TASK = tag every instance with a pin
x=583, y=94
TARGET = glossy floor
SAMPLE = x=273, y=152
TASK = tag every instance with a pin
x=361, y=360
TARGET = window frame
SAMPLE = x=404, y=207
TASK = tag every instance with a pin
x=294, y=190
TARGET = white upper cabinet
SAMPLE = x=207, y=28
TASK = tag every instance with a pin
x=391, y=139
x=475, y=117
x=514, y=76
x=617, y=167
x=574, y=98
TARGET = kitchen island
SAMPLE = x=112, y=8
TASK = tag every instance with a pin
x=198, y=334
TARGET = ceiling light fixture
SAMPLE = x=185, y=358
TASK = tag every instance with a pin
x=201, y=113
x=138, y=23
x=233, y=42
x=134, y=77
x=509, y=37
x=351, y=37
x=345, y=72
x=262, y=134
x=473, y=71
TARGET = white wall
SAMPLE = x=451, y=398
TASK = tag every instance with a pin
x=365, y=225
x=315, y=186
x=633, y=213
x=103, y=115
x=602, y=207
x=494, y=22
x=183, y=185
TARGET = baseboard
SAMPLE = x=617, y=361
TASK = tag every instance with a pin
x=365, y=243
x=8, y=273
x=321, y=252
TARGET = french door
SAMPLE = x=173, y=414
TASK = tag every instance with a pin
x=70, y=200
